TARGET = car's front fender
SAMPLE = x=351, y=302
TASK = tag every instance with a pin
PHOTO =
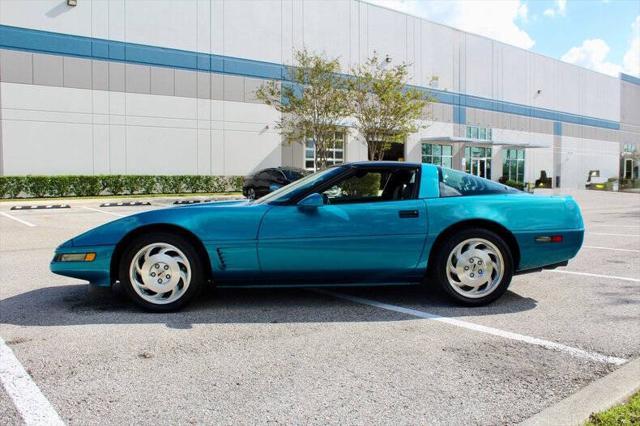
x=233, y=226
x=208, y=222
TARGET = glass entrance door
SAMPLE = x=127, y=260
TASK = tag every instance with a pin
x=478, y=161
x=627, y=172
x=479, y=167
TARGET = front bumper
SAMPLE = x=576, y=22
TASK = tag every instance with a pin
x=97, y=272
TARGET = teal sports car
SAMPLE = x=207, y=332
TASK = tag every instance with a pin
x=367, y=223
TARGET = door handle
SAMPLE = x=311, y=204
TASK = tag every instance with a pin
x=405, y=214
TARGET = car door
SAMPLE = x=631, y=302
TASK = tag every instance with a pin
x=361, y=235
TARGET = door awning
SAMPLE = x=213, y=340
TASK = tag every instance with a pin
x=470, y=141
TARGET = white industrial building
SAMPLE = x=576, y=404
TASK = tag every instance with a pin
x=168, y=87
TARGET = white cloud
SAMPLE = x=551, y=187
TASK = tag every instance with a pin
x=497, y=19
x=631, y=59
x=559, y=9
x=523, y=12
x=593, y=54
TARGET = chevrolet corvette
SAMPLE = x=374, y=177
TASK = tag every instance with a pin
x=366, y=223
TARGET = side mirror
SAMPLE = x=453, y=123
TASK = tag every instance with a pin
x=311, y=201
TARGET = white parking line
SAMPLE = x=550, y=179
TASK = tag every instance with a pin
x=595, y=225
x=33, y=406
x=587, y=274
x=613, y=235
x=579, y=353
x=611, y=248
x=24, y=222
x=103, y=211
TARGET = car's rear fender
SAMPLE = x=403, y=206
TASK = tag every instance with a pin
x=538, y=254
x=517, y=218
x=433, y=243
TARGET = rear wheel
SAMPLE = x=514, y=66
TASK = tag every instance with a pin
x=474, y=267
x=161, y=272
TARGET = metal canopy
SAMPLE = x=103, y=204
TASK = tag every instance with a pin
x=457, y=139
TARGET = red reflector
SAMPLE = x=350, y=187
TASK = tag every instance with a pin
x=549, y=239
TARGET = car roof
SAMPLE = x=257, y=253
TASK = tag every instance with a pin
x=373, y=164
x=296, y=169
x=360, y=164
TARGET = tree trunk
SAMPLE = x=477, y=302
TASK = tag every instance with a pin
x=317, y=161
x=376, y=150
x=371, y=151
x=321, y=154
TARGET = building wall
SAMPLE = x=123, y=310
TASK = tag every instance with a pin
x=190, y=106
x=630, y=110
x=629, y=105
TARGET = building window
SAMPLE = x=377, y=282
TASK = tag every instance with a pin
x=513, y=165
x=479, y=133
x=629, y=147
x=440, y=155
x=335, y=151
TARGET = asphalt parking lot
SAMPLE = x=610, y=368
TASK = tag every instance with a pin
x=378, y=355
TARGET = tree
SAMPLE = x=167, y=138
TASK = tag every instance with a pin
x=312, y=101
x=385, y=110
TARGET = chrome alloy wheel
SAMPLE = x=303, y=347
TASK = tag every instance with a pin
x=251, y=194
x=475, y=268
x=160, y=273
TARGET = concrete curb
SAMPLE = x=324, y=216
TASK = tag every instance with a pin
x=604, y=393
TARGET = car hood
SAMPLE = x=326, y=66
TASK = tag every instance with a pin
x=242, y=202
x=215, y=221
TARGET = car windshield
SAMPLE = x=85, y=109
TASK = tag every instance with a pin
x=288, y=192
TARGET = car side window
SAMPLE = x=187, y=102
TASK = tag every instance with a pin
x=365, y=186
x=267, y=174
x=454, y=183
x=278, y=176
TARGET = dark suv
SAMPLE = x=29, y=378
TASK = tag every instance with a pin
x=268, y=180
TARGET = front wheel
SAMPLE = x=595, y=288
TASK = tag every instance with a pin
x=474, y=267
x=161, y=272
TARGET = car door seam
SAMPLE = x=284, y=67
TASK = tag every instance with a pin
x=259, y=229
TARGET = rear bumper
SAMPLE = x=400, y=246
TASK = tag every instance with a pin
x=554, y=266
x=536, y=255
x=97, y=272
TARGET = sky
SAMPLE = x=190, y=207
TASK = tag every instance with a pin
x=603, y=35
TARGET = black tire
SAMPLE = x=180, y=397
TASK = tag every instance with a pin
x=438, y=270
x=195, y=262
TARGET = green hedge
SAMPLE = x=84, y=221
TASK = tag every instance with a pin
x=85, y=186
x=630, y=183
